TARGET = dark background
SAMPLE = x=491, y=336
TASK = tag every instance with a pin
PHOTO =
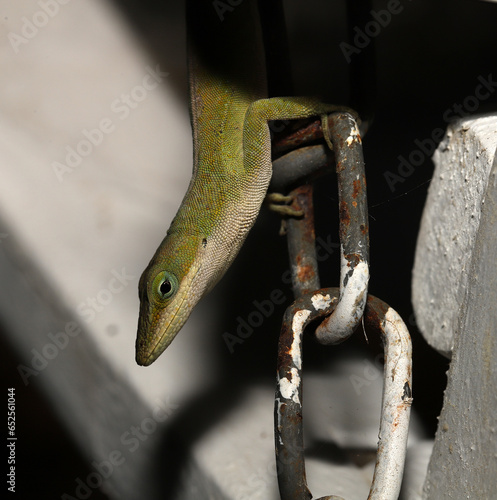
x=427, y=59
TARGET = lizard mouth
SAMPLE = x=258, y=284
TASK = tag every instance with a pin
x=155, y=336
x=169, y=327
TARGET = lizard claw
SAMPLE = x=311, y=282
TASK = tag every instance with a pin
x=281, y=204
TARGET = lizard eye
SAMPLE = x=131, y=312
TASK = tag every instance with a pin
x=165, y=285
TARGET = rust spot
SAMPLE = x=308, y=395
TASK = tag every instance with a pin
x=305, y=273
x=284, y=349
x=357, y=188
x=295, y=419
x=339, y=165
x=398, y=412
x=344, y=213
x=352, y=259
x=297, y=138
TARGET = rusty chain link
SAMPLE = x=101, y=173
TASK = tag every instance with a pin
x=341, y=311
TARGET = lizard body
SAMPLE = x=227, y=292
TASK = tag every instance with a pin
x=231, y=173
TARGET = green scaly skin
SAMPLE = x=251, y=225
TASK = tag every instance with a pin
x=232, y=169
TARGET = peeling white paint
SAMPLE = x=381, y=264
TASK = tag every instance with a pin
x=297, y=327
x=289, y=389
x=320, y=301
x=355, y=288
x=353, y=291
x=395, y=321
x=354, y=136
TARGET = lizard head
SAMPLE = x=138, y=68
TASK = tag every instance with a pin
x=169, y=288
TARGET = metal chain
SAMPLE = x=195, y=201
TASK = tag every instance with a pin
x=341, y=310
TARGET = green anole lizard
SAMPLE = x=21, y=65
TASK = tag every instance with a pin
x=231, y=173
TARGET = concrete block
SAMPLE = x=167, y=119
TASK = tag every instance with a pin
x=449, y=227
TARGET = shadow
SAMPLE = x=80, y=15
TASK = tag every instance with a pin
x=190, y=423
x=159, y=27
x=332, y=453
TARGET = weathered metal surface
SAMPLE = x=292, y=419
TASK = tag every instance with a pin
x=344, y=307
x=298, y=138
x=301, y=243
x=396, y=405
x=289, y=437
x=397, y=399
x=354, y=231
x=304, y=163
